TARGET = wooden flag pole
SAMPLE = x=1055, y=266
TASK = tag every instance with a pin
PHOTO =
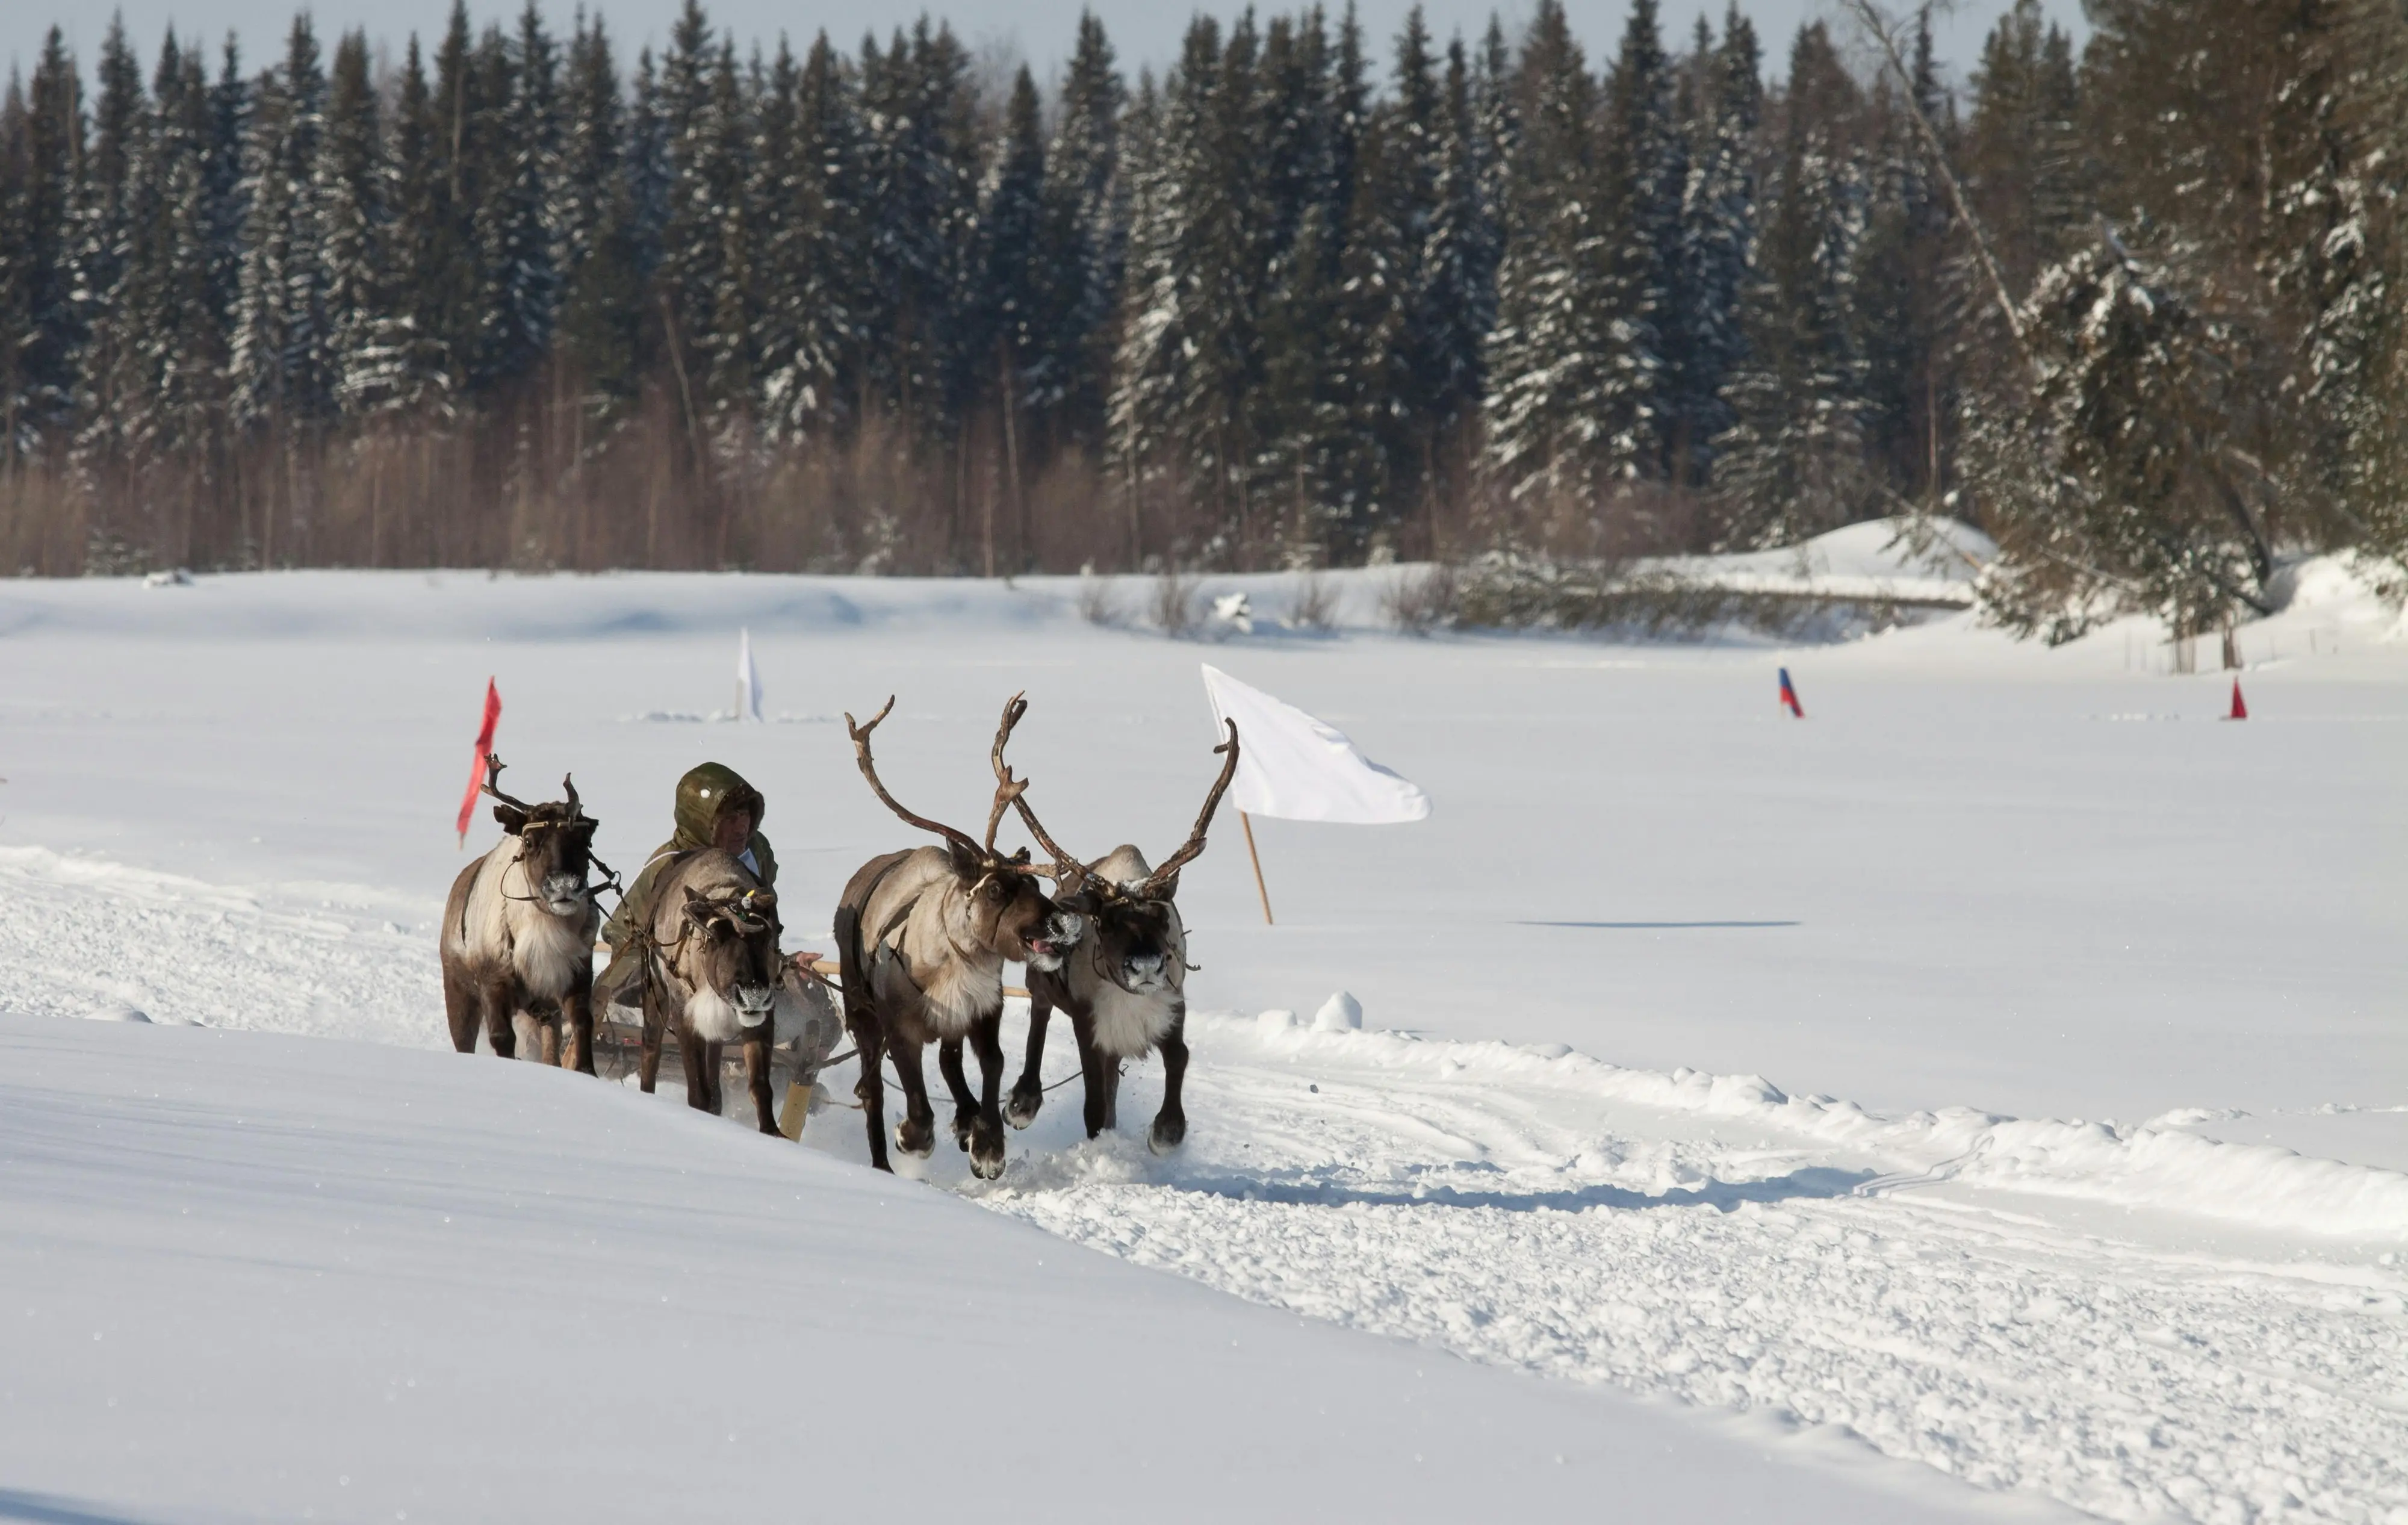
x=1248, y=822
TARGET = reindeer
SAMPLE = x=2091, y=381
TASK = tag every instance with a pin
x=711, y=970
x=1124, y=979
x=518, y=930
x=922, y=938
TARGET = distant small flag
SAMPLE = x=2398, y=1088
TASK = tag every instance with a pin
x=748, y=678
x=476, y=764
x=2239, y=707
x=1789, y=695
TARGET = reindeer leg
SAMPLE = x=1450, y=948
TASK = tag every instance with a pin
x=756, y=1079
x=577, y=1016
x=1093, y=1069
x=916, y=1134
x=1029, y=1091
x=949, y=1064
x=460, y=1007
x=648, y=1068
x=1170, y=1128
x=547, y=1037
x=714, y=1076
x=694, y=1054
x=986, y=1135
x=870, y=1089
x=499, y=1032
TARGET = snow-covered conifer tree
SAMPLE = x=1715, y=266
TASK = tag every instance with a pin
x=281, y=364
x=808, y=259
x=1551, y=357
x=44, y=160
x=1015, y=277
x=1645, y=170
x=593, y=209
x=352, y=195
x=1794, y=463
x=1087, y=235
x=514, y=231
x=1718, y=216
x=107, y=225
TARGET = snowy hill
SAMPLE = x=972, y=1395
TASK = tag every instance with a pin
x=2073, y=1171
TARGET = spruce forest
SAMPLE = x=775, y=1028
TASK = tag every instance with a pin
x=510, y=298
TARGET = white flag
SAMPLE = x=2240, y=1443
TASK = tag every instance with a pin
x=748, y=678
x=1299, y=769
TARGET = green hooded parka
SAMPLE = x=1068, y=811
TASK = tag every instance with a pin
x=705, y=793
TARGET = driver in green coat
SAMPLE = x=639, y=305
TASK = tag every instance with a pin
x=715, y=808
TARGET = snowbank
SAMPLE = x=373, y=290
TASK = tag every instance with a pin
x=2160, y=1169
x=262, y=1277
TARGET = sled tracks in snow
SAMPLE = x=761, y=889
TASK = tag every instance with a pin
x=1469, y=1199
x=2027, y=1305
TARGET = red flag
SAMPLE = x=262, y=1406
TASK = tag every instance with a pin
x=476, y=768
x=2240, y=709
x=1789, y=696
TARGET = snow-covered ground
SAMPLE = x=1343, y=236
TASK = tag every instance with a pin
x=2003, y=1066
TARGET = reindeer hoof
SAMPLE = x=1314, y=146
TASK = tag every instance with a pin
x=965, y=1128
x=1023, y=1108
x=986, y=1150
x=917, y=1139
x=1168, y=1133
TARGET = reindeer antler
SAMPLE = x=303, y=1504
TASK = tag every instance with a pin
x=1195, y=843
x=860, y=735
x=568, y=787
x=1068, y=873
x=492, y=785
x=1008, y=789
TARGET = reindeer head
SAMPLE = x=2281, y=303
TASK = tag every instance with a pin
x=1003, y=910
x=727, y=951
x=1129, y=926
x=555, y=843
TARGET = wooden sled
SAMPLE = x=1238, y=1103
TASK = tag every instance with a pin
x=807, y=1006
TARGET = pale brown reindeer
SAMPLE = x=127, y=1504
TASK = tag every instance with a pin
x=922, y=938
x=712, y=973
x=518, y=931
x=1124, y=976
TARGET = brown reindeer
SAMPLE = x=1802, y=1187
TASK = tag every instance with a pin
x=1124, y=979
x=922, y=938
x=518, y=931
x=711, y=972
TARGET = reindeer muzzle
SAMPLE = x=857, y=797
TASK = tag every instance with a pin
x=566, y=894
x=754, y=1004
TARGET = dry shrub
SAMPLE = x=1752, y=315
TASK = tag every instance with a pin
x=1097, y=604
x=1419, y=601
x=1174, y=602
x=1315, y=606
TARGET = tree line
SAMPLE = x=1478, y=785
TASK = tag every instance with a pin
x=1304, y=299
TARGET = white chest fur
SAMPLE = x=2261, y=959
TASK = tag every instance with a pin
x=955, y=993
x=709, y=1017
x=546, y=951
x=1126, y=1025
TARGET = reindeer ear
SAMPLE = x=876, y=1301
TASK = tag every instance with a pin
x=966, y=862
x=1169, y=888
x=513, y=819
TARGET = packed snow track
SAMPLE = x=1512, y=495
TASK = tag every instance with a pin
x=2136, y=1322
